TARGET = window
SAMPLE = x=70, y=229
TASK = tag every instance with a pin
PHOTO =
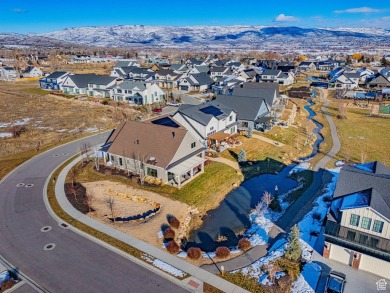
x=351, y=235
x=374, y=242
x=366, y=223
x=120, y=161
x=211, y=128
x=378, y=226
x=193, y=145
x=363, y=239
x=151, y=172
x=354, y=220
x=231, y=118
x=119, y=91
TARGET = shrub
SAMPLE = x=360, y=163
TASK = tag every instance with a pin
x=291, y=267
x=7, y=285
x=275, y=205
x=244, y=244
x=174, y=222
x=222, y=252
x=194, y=253
x=169, y=234
x=173, y=247
x=327, y=198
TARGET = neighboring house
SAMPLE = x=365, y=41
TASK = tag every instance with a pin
x=195, y=82
x=179, y=68
x=159, y=148
x=101, y=86
x=199, y=69
x=224, y=85
x=8, y=73
x=277, y=76
x=167, y=79
x=251, y=74
x=53, y=81
x=252, y=112
x=216, y=72
x=327, y=65
x=77, y=84
x=234, y=65
x=138, y=93
x=345, y=81
x=205, y=120
x=378, y=81
x=357, y=231
x=286, y=67
x=32, y=71
x=307, y=66
x=191, y=62
x=133, y=73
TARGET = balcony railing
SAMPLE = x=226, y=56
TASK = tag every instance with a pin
x=358, y=240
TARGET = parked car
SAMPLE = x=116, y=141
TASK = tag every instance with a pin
x=157, y=110
x=335, y=282
x=173, y=104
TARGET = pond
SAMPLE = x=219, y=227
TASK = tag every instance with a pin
x=231, y=217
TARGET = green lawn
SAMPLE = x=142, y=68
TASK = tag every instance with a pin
x=204, y=192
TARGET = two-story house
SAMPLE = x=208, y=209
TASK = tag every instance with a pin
x=307, y=66
x=32, y=71
x=195, y=82
x=77, y=84
x=167, y=79
x=101, y=86
x=8, y=73
x=357, y=230
x=216, y=72
x=160, y=148
x=277, y=76
x=53, y=81
x=138, y=93
x=211, y=123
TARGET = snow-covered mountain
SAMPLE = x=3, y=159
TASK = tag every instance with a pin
x=208, y=36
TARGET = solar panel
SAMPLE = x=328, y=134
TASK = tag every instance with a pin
x=166, y=121
x=211, y=110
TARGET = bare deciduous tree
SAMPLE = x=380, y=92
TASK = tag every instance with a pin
x=84, y=150
x=363, y=156
x=267, y=198
x=111, y=203
x=88, y=200
x=73, y=174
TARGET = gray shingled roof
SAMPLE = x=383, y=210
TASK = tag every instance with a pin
x=376, y=183
x=195, y=113
x=129, y=85
x=56, y=74
x=203, y=78
x=271, y=72
x=352, y=74
x=266, y=93
x=218, y=69
x=202, y=69
x=101, y=79
x=82, y=80
x=247, y=108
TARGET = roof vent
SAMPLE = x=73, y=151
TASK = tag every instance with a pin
x=173, y=134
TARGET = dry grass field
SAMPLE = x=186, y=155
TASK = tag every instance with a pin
x=48, y=120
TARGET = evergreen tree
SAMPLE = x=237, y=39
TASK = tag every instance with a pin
x=294, y=250
x=241, y=156
x=384, y=61
x=250, y=130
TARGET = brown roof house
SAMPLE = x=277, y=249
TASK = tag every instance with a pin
x=159, y=148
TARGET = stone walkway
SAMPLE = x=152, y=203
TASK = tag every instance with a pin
x=268, y=140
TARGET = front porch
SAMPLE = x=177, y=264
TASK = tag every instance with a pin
x=184, y=172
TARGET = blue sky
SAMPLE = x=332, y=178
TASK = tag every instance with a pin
x=24, y=16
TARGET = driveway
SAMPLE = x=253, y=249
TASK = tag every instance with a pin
x=73, y=263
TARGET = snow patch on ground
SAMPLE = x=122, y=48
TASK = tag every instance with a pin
x=164, y=266
x=23, y=121
x=260, y=226
x=300, y=167
x=91, y=129
x=5, y=134
x=308, y=279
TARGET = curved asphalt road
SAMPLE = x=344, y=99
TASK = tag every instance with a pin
x=76, y=264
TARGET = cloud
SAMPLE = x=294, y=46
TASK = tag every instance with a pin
x=359, y=10
x=285, y=18
x=19, y=10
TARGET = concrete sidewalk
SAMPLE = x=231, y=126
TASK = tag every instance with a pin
x=268, y=140
x=178, y=263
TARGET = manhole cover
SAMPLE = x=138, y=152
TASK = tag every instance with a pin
x=19, y=184
x=46, y=229
x=29, y=185
x=49, y=246
x=56, y=155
